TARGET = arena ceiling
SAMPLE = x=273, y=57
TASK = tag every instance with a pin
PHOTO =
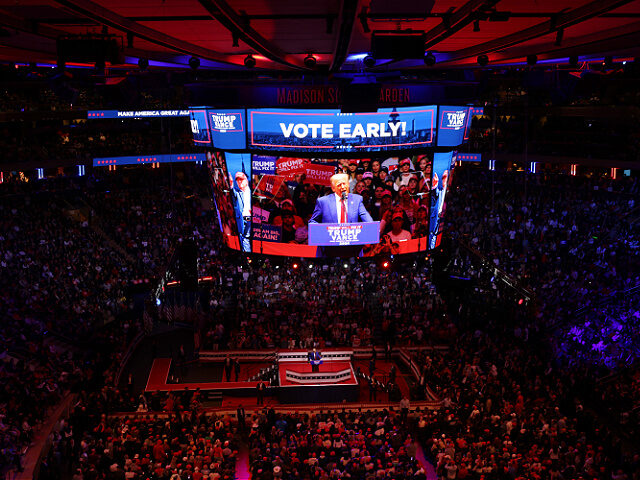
x=279, y=34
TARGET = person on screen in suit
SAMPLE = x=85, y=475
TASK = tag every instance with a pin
x=340, y=206
x=314, y=358
x=242, y=201
x=438, y=192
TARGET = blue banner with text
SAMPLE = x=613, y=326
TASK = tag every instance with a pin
x=340, y=234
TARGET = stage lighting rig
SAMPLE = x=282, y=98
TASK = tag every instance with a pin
x=310, y=61
x=249, y=61
x=429, y=59
x=194, y=63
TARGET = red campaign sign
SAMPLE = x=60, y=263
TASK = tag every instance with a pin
x=270, y=184
x=320, y=174
x=290, y=167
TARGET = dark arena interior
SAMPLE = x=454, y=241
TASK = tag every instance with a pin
x=339, y=239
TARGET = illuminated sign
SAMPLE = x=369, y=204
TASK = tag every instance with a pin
x=142, y=159
x=451, y=126
x=227, y=129
x=91, y=114
x=200, y=127
x=321, y=130
x=330, y=130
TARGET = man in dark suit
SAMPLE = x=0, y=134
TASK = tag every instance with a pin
x=228, y=365
x=242, y=418
x=236, y=368
x=261, y=388
x=340, y=206
x=242, y=203
x=438, y=193
x=315, y=358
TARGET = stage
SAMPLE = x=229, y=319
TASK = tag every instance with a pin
x=159, y=382
x=292, y=380
x=334, y=382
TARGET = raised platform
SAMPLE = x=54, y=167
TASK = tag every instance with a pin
x=159, y=375
x=300, y=373
x=335, y=382
x=296, y=384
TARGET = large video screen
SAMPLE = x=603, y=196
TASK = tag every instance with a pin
x=443, y=164
x=319, y=207
x=220, y=186
x=230, y=176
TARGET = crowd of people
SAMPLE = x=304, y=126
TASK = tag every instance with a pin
x=185, y=444
x=149, y=214
x=62, y=286
x=31, y=88
x=510, y=408
x=394, y=191
x=333, y=445
x=568, y=234
x=259, y=306
x=81, y=141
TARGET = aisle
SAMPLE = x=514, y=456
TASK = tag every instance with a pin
x=243, y=470
x=428, y=468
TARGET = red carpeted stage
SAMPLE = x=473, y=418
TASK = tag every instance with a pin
x=301, y=373
x=159, y=375
x=335, y=381
x=293, y=381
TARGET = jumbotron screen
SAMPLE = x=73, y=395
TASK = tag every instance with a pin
x=321, y=207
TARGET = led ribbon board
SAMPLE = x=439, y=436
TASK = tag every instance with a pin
x=141, y=159
x=94, y=114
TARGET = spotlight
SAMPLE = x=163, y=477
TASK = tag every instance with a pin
x=295, y=266
x=385, y=264
x=483, y=60
x=310, y=61
x=369, y=61
x=143, y=64
x=429, y=59
x=532, y=60
x=573, y=61
x=249, y=61
x=194, y=63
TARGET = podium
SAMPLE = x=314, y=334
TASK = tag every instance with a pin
x=343, y=234
x=315, y=365
x=301, y=382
